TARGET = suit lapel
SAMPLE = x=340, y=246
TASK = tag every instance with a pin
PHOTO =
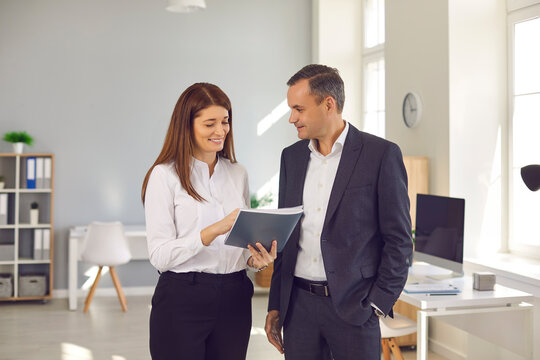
x=299, y=176
x=295, y=188
x=349, y=157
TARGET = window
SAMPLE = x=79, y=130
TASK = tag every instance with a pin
x=373, y=71
x=524, y=128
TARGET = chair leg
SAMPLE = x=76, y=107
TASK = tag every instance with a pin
x=118, y=287
x=385, y=349
x=92, y=290
x=395, y=349
x=121, y=296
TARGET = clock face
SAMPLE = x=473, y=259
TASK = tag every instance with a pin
x=412, y=109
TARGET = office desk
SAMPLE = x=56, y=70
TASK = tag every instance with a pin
x=136, y=235
x=473, y=304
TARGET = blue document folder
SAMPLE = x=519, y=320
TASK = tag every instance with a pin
x=264, y=226
x=31, y=172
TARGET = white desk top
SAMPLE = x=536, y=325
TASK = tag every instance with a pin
x=515, y=267
x=467, y=297
x=129, y=230
x=136, y=235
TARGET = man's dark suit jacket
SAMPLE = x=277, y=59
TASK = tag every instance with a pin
x=366, y=238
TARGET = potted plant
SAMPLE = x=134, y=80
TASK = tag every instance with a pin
x=18, y=138
x=260, y=202
x=34, y=213
x=2, y=184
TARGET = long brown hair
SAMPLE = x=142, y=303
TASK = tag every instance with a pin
x=179, y=142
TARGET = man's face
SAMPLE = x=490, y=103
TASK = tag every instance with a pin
x=308, y=116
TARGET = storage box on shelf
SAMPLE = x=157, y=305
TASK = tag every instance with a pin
x=26, y=247
x=32, y=285
x=6, y=286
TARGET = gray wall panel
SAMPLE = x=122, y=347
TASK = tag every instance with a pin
x=95, y=83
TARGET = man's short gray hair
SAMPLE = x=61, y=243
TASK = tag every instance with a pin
x=323, y=81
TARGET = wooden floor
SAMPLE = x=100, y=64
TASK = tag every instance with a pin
x=48, y=331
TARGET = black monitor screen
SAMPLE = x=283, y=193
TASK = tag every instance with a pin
x=439, y=226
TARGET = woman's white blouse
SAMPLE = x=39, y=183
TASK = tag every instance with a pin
x=174, y=219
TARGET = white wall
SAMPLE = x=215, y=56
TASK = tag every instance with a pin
x=95, y=82
x=337, y=39
x=478, y=117
x=416, y=55
x=453, y=54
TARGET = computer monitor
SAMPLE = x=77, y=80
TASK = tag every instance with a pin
x=439, y=232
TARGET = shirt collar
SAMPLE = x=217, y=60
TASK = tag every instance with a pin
x=336, y=148
x=202, y=167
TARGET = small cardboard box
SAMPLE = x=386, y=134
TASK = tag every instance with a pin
x=32, y=285
x=6, y=285
x=483, y=281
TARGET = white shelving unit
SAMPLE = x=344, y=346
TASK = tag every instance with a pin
x=19, y=232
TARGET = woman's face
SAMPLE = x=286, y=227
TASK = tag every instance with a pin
x=210, y=128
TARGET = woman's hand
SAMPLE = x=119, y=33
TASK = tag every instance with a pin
x=260, y=258
x=223, y=226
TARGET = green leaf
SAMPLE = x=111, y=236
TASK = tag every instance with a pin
x=262, y=201
x=18, y=136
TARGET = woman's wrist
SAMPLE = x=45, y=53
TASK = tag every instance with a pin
x=251, y=264
x=250, y=261
x=208, y=235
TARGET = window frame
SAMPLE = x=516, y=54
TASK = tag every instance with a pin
x=372, y=58
x=369, y=55
x=514, y=17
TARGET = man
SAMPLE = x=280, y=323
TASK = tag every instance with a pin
x=346, y=262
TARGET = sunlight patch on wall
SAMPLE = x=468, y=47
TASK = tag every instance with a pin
x=75, y=352
x=91, y=274
x=269, y=120
x=490, y=241
x=270, y=187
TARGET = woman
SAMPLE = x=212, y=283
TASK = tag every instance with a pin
x=201, y=307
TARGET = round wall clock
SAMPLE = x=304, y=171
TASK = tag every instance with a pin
x=412, y=109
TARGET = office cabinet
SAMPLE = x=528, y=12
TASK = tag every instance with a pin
x=417, y=173
x=26, y=226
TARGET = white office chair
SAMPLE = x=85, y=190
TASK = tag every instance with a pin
x=106, y=245
x=392, y=328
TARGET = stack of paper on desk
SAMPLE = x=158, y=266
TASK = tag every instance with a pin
x=427, y=288
x=263, y=225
